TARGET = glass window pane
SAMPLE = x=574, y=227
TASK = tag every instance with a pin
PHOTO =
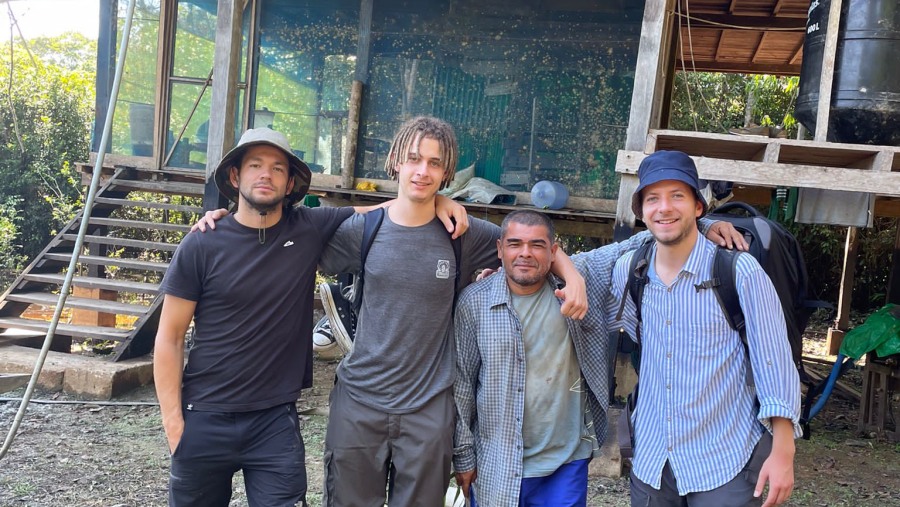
x=195, y=38
x=132, y=132
x=535, y=91
x=307, y=57
x=191, y=147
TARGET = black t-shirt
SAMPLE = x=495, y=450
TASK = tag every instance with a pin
x=253, y=322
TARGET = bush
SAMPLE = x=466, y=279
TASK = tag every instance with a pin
x=45, y=119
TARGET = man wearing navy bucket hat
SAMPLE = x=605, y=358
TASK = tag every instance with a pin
x=704, y=434
x=232, y=407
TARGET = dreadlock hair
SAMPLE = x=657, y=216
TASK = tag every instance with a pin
x=528, y=217
x=411, y=134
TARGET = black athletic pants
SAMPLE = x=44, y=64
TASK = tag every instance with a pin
x=265, y=444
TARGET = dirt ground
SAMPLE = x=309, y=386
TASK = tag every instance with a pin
x=88, y=454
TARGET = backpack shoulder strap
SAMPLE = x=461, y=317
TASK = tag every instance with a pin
x=457, y=256
x=725, y=289
x=635, y=283
x=373, y=221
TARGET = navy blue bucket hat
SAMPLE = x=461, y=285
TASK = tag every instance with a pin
x=662, y=166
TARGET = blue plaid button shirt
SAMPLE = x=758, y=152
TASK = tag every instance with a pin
x=490, y=381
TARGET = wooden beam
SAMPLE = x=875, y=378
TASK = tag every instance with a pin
x=348, y=167
x=767, y=174
x=720, y=48
x=165, y=44
x=827, y=72
x=798, y=52
x=778, y=5
x=647, y=81
x=106, y=62
x=731, y=5
x=759, y=45
x=761, y=22
x=226, y=60
x=848, y=275
x=745, y=68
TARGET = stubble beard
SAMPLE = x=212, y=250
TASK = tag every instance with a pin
x=261, y=206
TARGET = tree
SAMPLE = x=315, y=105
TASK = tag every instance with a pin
x=45, y=116
x=717, y=102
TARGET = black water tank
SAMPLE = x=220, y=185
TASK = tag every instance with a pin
x=865, y=101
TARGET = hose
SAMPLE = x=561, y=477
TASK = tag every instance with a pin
x=841, y=364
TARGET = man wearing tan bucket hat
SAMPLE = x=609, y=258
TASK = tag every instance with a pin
x=232, y=407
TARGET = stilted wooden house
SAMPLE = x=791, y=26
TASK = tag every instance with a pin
x=573, y=91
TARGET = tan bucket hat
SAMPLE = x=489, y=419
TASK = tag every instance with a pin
x=254, y=137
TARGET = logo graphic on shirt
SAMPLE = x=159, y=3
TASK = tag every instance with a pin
x=288, y=243
x=443, y=269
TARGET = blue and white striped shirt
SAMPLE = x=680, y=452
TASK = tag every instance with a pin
x=696, y=409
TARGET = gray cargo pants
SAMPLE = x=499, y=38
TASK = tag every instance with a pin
x=370, y=453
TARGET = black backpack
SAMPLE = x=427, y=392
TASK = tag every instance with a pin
x=777, y=252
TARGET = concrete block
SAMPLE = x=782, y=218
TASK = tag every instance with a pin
x=93, y=378
x=17, y=359
x=102, y=379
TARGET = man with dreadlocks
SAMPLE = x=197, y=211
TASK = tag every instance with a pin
x=392, y=413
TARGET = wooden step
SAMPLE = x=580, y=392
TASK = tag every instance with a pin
x=128, y=203
x=170, y=187
x=110, y=261
x=97, y=305
x=107, y=333
x=138, y=224
x=95, y=283
x=134, y=243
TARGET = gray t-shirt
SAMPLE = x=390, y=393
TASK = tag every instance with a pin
x=553, y=425
x=403, y=351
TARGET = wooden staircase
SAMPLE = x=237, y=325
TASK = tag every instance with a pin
x=138, y=219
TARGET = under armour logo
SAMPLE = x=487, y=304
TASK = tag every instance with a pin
x=288, y=243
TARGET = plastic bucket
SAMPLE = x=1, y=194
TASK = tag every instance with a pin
x=549, y=195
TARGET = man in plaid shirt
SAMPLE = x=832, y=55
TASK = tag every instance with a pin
x=532, y=386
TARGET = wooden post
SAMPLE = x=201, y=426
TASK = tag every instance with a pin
x=106, y=62
x=645, y=107
x=361, y=75
x=841, y=323
x=82, y=317
x=893, y=290
x=349, y=164
x=826, y=80
x=224, y=93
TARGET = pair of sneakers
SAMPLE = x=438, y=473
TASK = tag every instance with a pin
x=339, y=311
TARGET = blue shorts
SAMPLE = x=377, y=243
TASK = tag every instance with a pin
x=566, y=487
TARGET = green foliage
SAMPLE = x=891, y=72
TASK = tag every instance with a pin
x=71, y=51
x=716, y=102
x=45, y=113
